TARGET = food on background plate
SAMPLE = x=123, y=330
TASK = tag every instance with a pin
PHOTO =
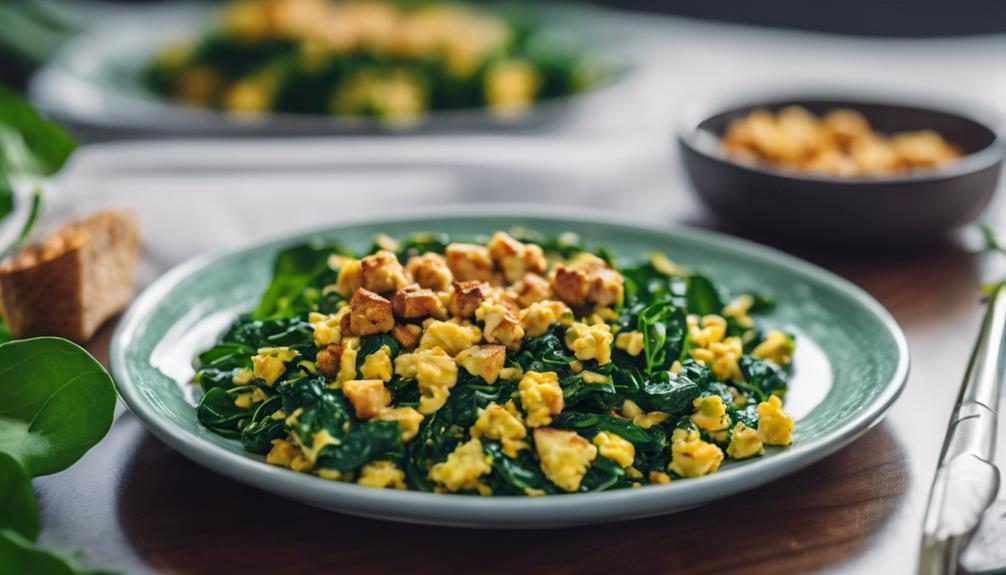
x=72, y=282
x=370, y=58
x=506, y=365
x=840, y=143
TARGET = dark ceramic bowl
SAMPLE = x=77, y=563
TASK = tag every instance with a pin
x=910, y=207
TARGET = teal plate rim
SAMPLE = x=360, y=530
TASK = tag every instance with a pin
x=507, y=511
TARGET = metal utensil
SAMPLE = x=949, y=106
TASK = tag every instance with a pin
x=966, y=480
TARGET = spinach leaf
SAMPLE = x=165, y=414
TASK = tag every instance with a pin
x=56, y=402
x=227, y=356
x=577, y=393
x=18, y=510
x=765, y=376
x=4, y=332
x=19, y=555
x=663, y=326
x=293, y=270
x=420, y=243
x=602, y=475
x=667, y=392
x=261, y=429
x=218, y=413
x=372, y=343
x=515, y=475
x=288, y=332
x=648, y=441
x=364, y=442
x=546, y=352
x=702, y=296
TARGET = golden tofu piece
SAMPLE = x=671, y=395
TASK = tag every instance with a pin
x=485, y=361
x=414, y=302
x=515, y=258
x=430, y=271
x=467, y=297
x=381, y=273
x=565, y=456
x=368, y=396
x=370, y=313
x=471, y=262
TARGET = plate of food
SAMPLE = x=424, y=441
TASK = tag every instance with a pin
x=316, y=66
x=495, y=367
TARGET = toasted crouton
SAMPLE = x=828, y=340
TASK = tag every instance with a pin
x=74, y=281
x=370, y=313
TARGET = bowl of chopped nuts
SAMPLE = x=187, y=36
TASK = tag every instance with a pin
x=838, y=170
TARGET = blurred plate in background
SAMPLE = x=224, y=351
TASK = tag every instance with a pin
x=95, y=82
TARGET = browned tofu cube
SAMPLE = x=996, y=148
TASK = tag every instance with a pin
x=471, y=262
x=430, y=271
x=407, y=335
x=467, y=297
x=532, y=288
x=74, y=281
x=381, y=273
x=368, y=396
x=370, y=313
x=572, y=286
x=516, y=258
x=328, y=360
x=414, y=302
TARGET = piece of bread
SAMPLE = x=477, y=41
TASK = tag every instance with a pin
x=71, y=283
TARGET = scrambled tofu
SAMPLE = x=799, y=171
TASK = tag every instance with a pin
x=590, y=341
x=378, y=365
x=348, y=280
x=326, y=327
x=615, y=447
x=467, y=297
x=382, y=474
x=744, y=442
x=541, y=397
x=500, y=326
x=565, y=456
x=778, y=348
x=485, y=361
x=495, y=422
x=269, y=364
x=539, y=316
x=452, y=337
x=691, y=456
x=463, y=468
x=435, y=373
x=774, y=426
x=407, y=417
x=711, y=416
x=631, y=342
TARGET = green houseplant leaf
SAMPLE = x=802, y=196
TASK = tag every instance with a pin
x=18, y=510
x=56, y=402
x=20, y=555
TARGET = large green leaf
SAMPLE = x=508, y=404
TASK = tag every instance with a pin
x=28, y=142
x=18, y=510
x=56, y=402
x=19, y=555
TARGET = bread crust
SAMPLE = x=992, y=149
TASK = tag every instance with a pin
x=75, y=280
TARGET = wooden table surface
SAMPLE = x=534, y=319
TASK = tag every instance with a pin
x=135, y=505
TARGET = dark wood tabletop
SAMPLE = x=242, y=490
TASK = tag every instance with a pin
x=135, y=505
